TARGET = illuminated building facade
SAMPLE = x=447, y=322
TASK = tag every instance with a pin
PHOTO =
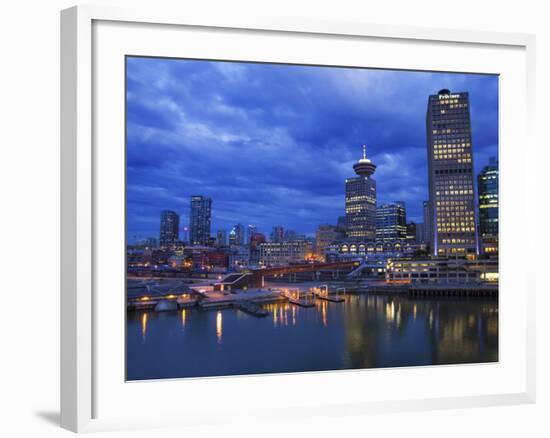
x=200, y=219
x=361, y=201
x=284, y=253
x=487, y=185
x=324, y=236
x=450, y=173
x=370, y=248
x=169, y=228
x=391, y=221
x=442, y=270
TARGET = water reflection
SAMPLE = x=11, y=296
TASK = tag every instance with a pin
x=365, y=331
x=219, y=327
x=143, y=326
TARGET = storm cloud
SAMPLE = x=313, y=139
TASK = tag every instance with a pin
x=273, y=144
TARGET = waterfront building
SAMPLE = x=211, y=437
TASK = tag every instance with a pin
x=361, y=201
x=428, y=222
x=391, y=221
x=277, y=234
x=284, y=253
x=221, y=238
x=236, y=235
x=169, y=228
x=324, y=236
x=441, y=270
x=365, y=249
x=450, y=173
x=487, y=184
x=200, y=219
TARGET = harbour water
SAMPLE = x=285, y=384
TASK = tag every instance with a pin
x=366, y=331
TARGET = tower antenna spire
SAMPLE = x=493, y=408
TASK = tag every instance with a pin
x=364, y=166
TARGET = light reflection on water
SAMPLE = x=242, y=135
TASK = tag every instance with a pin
x=183, y=317
x=143, y=326
x=364, y=331
x=219, y=327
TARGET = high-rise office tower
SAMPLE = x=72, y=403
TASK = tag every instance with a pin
x=487, y=186
x=391, y=221
x=236, y=235
x=169, y=228
x=200, y=219
x=361, y=201
x=450, y=173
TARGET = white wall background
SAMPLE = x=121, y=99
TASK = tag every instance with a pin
x=29, y=219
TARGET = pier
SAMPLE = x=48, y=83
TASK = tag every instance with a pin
x=322, y=292
x=299, y=298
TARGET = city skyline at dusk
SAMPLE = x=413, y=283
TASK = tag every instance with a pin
x=274, y=144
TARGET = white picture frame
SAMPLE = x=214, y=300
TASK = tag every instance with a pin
x=85, y=175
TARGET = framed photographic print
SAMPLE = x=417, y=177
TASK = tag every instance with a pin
x=253, y=207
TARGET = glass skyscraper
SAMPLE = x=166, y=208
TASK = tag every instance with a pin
x=487, y=185
x=391, y=222
x=200, y=219
x=169, y=228
x=450, y=173
x=361, y=201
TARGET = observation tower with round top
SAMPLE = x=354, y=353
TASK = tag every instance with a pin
x=361, y=201
x=364, y=167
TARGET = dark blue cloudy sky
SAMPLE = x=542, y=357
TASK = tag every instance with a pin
x=273, y=144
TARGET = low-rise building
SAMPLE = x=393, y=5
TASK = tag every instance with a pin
x=441, y=270
x=325, y=236
x=285, y=253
